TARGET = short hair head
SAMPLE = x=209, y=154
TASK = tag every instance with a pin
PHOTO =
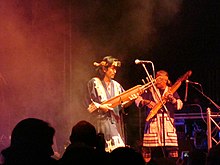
x=33, y=133
x=164, y=74
x=83, y=132
x=106, y=62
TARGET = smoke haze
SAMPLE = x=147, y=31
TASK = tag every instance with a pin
x=47, y=49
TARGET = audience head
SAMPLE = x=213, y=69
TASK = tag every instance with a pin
x=30, y=138
x=84, y=132
x=84, y=148
x=126, y=155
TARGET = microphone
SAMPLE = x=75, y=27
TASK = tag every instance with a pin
x=192, y=82
x=186, y=90
x=137, y=61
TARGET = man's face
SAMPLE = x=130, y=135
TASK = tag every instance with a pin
x=161, y=82
x=111, y=71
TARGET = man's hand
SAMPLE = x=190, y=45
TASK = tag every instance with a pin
x=148, y=103
x=169, y=97
x=105, y=107
x=151, y=104
x=94, y=106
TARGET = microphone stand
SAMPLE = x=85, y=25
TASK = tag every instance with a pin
x=201, y=92
x=165, y=108
x=150, y=79
x=209, y=119
x=153, y=70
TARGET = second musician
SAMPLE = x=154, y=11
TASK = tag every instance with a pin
x=160, y=133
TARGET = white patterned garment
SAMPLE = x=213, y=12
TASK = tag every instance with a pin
x=156, y=134
x=154, y=137
x=112, y=129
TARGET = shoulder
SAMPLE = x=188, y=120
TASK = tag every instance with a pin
x=116, y=82
x=118, y=86
x=93, y=80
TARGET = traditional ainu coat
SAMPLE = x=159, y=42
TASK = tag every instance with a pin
x=160, y=130
x=109, y=122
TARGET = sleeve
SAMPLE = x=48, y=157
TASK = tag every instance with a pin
x=91, y=94
x=179, y=103
x=143, y=98
x=138, y=101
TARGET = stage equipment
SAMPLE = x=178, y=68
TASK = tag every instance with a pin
x=210, y=117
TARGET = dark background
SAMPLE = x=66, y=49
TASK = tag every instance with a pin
x=47, y=48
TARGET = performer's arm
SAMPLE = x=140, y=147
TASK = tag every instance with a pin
x=103, y=107
x=174, y=99
x=140, y=102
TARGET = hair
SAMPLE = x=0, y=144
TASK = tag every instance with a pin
x=164, y=73
x=30, y=137
x=126, y=155
x=31, y=130
x=106, y=62
x=83, y=132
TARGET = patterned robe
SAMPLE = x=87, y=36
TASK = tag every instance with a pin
x=160, y=130
x=110, y=122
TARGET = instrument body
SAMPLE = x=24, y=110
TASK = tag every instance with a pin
x=173, y=89
x=122, y=98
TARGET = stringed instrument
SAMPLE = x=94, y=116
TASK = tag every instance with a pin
x=124, y=97
x=173, y=89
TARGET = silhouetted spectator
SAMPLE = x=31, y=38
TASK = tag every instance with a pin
x=162, y=161
x=151, y=162
x=31, y=144
x=193, y=157
x=197, y=157
x=83, y=146
x=126, y=155
x=213, y=157
x=100, y=143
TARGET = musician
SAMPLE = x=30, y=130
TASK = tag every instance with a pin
x=102, y=87
x=160, y=138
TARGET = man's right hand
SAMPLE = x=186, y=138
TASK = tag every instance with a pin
x=105, y=107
